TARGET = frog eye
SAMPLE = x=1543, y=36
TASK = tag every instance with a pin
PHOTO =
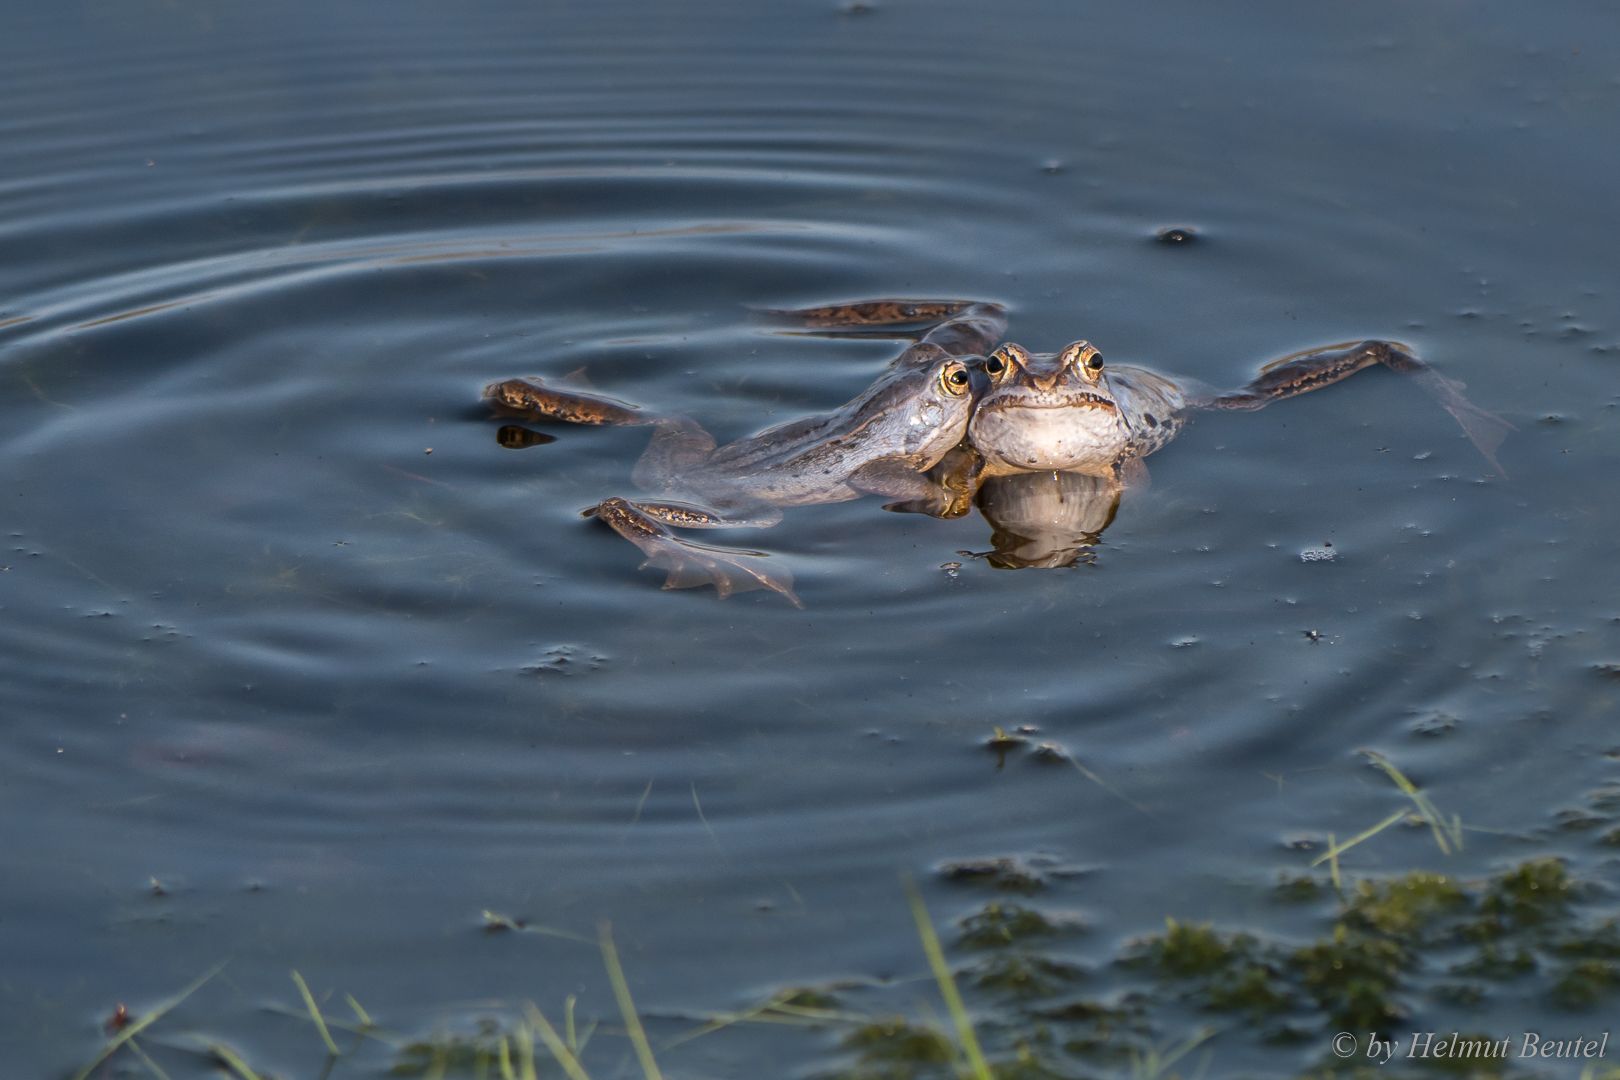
x=999, y=363
x=1084, y=356
x=954, y=379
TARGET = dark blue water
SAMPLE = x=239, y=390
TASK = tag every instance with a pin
x=333, y=696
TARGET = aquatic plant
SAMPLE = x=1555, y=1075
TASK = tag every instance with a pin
x=1372, y=967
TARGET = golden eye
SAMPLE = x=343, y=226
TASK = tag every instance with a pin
x=955, y=380
x=1095, y=361
x=995, y=365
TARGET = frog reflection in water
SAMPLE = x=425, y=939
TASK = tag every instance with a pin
x=1042, y=444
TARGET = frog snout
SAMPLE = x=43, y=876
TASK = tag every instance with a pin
x=978, y=384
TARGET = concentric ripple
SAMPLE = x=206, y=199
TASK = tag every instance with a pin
x=288, y=636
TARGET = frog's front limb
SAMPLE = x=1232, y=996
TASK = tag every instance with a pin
x=944, y=491
x=729, y=570
x=1311, y=370
x=960, y=327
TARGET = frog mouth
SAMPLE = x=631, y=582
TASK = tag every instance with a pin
x=1082, y=399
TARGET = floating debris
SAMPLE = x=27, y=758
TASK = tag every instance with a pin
x=1016, y=873
x=1049, y=753
x=1435, y=723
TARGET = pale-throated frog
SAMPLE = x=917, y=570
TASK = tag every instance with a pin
x=1057, y=437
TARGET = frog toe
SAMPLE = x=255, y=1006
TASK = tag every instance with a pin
x=692, y=565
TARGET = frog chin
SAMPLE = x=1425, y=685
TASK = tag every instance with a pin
x=1036, y=439
x=932, y=429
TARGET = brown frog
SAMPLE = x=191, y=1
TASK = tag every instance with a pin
x=884, y=442
x=1058, y=436
x=1043, y=444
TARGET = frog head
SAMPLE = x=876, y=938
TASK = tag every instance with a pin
x=918, y=410
x=1052, y=411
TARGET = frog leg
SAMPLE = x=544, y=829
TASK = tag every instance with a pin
x=945, y=491
x=1311, y=370
x=960, y=327
x=678, y=444
x=532, y=399
x=681, y=515
x=729, y=570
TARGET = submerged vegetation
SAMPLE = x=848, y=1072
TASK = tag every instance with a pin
x=1032, y=999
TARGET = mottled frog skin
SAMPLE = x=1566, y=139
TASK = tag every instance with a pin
x=1043, y=444
x=883, y=442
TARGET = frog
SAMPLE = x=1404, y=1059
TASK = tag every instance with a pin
x=1058, y=437
x=1071, y=412
x=885, y=442
x=1043, y=445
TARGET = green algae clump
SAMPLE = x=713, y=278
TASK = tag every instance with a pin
x=1187, y=950
x=1351, y=977
x=1405, y=907
x=1531, y=894
x=998, y=925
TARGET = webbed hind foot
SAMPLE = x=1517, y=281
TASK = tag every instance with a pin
x=690, y=565
x=1307, y=371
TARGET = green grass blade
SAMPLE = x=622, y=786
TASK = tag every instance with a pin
x=150, y=1064
x=1155, y=1063
x=621, y=990
x=506, y=1060
x=369, y=1031
x=1426, y=808
x=229, y=1057
x=1407, y=787
x=315, y=1014
x=1335, y=850
x=148, y=1020
x=559, y=1050
x=947, y=985
x=365, y=1018
x=525, y=1041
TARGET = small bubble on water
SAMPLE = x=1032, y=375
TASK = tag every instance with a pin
x=1051, y=165
x=1176, y=235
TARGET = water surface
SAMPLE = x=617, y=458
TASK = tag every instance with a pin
x=286, y=688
